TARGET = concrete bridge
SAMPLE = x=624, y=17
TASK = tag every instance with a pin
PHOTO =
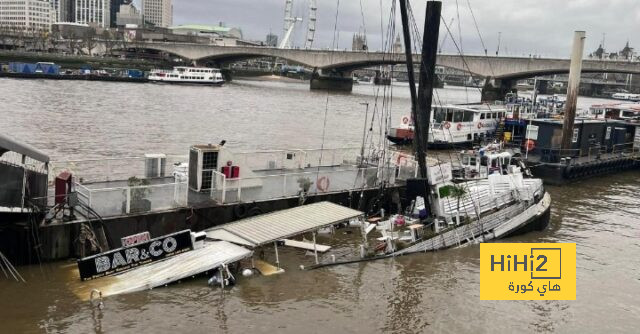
x=332, y=69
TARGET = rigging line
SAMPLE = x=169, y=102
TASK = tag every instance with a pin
x=464, y=61
x=326, y=107
x=480, y=36
x=460, y=38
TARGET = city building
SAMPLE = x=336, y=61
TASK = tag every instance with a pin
x=217, y=34
x=32, y=15
x=128, y=14
x=114, y=8
x=158, y=12
x=64, y=10
x=359, y=42
x=93, y=12
x=272, y=40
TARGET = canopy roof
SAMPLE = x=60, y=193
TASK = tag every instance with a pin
x=202, y=27
x=7, y=144
x=267, y=228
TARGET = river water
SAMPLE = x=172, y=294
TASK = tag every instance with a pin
x=436, y=292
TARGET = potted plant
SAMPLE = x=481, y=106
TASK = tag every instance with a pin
x=138, y=200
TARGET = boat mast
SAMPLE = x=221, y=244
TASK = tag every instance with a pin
x=428, y=66
x=417, y=140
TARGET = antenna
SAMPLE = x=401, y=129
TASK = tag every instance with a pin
x=499, y=39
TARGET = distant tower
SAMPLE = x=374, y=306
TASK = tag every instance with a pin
x=359, y=42
x=272, y=40
x=397, y=45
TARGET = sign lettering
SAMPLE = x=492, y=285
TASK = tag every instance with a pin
x=137, y=254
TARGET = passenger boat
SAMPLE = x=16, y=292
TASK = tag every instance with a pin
x=626, y=96
x=453, y=125
x=618, y=111
x=188, y=75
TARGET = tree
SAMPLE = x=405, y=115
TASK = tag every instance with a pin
x=458, y=192
x=89, y=42
x=109, y=42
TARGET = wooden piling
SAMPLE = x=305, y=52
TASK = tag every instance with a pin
x=572, y=89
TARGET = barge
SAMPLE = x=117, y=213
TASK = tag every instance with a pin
x=88, y=205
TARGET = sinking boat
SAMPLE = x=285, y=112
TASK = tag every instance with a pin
x=144, y=263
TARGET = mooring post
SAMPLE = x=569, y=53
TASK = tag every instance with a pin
x=572, y=89
x=315, y=249
x=275, y=245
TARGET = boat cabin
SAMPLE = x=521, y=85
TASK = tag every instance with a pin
x=590, y=137
x=479, y=164
x=464, y=124
x=620, y=111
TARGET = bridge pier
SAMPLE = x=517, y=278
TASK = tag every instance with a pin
x=341, y=81
x=497, y=89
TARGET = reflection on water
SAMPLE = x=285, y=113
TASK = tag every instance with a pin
x=435, y=292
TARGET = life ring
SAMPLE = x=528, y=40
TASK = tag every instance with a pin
x=240, y=211
x=459, y=126
x=255, y=211
x=405, y=120
x=447, y=125
x=323, y=184
x=401, y=158
x=530, y=144
x=479, y=125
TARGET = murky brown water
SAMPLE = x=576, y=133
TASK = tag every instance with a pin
x=436, y=292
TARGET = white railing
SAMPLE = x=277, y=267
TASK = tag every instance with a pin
x=109, y=202
x=287, y=185
x=296, y=158
x=109, y=169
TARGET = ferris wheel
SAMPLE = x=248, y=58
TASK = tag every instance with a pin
x=290, y=22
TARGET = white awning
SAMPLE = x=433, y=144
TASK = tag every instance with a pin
x=267, y=228
x=9, y=144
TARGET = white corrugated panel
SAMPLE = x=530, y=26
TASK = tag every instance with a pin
x=259, y=230
x=212, y=255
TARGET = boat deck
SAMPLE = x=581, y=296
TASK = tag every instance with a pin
x=114, y=198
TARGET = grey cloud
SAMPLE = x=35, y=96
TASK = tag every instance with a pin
x=542, y=27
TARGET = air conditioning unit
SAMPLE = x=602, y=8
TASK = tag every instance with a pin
x=155, y=165
x=203, y=161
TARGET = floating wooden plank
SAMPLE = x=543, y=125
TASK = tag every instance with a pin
x=266, y=269
x=211, y=256
x=306, y=245
x=369, y=228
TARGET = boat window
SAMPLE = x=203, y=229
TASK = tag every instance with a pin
x=472, y=161
x=482, y=116
x=449, y=115
x=468, y=116
x=439, y=116
x=458, y=115
x=483, y=161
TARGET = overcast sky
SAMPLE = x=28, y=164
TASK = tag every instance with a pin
x=542, y=27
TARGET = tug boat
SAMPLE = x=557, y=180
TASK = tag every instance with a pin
x=188, y=75
x=453, y=125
